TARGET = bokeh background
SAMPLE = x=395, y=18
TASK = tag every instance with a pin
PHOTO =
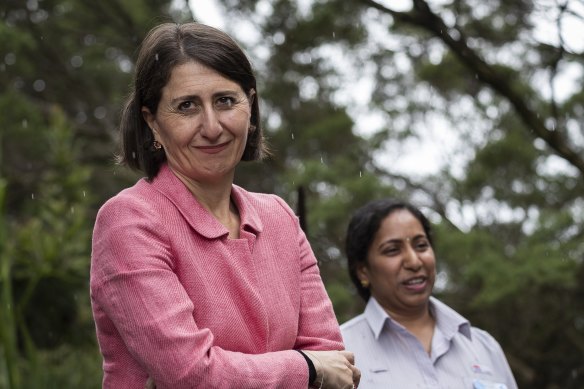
x=472, y=110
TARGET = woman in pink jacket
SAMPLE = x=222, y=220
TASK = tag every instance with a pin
x=195, y=282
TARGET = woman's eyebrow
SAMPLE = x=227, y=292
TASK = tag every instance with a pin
x=390, y=241
x=400, y=240
x=183, y=98
x=197, y=97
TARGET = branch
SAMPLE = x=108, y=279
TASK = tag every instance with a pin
x=422, y=16
x=437, y=204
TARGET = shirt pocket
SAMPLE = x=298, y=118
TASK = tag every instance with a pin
x=382, y=378
x=375, y=377
x=484, y=383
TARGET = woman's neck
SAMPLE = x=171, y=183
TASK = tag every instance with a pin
x=419, y=323
x=215, y=197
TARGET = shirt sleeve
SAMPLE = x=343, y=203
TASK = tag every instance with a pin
x=499, y=361
x=142, y=300
x=318, y=328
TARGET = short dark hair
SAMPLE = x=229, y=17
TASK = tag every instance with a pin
x=165, y=47
x=362, y=228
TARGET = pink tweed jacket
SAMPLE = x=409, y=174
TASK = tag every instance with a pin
x=174, y=299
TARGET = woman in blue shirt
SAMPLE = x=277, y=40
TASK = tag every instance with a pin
x=406, y=338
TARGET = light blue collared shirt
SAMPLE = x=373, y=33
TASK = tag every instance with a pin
x=389, y=356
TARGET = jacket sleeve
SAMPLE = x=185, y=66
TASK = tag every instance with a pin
x=318, y=328
x=141, y=308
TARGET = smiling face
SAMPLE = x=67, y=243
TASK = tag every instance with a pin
x=400, y=268
x=202, y=122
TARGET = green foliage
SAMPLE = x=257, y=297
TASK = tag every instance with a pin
x=64, y=74
x=439, y=76
x=507, y=209
x=517, y=253
x=46, y=275
x=9, y=373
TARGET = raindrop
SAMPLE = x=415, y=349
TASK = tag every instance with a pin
x=279, y=38
x=24, y=123
x=32, y=5
x=111, y=53
x=156, y=57
x=125, y=65
x=360, y=173
x=72, y=209
x=133, y=155
x=334, y=35
x=292, y=136
x=10, y=59
x=83, y=193
x=39, y=85
x=32, y=196
x=81, y=117
x=321, y=160
x=89, y=40
x=100, y=112
x=76, y=61
x=39, y=16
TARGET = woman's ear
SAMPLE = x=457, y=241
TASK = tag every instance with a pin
x=363, y=275
x=251, y=96
x=150, y=120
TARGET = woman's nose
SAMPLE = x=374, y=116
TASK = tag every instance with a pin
x=411, y=259
x=210, y=125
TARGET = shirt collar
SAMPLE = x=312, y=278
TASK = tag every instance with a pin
x=375, y=316
x=447, y=319
x=201, y=220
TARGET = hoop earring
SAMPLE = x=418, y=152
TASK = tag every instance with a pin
x=156, y=145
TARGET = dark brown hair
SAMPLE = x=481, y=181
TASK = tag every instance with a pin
x=165, y=47
x=363, y=227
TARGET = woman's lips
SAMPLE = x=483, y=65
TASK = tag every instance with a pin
x=416, y=284
x=213, y=149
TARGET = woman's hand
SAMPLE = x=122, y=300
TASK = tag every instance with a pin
x=150, y=384
x=334, y=369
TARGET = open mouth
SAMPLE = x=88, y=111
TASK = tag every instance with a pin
x=415, y=281
x=416, y=284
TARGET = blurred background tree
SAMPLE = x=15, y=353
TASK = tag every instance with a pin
x=356, y=95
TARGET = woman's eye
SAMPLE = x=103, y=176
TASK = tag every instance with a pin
x=391, y=251
x=225, y=102
x=185, y=105
x=422, y=245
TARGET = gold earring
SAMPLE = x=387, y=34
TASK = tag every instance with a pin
x=365, y=284
x=156, y=145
